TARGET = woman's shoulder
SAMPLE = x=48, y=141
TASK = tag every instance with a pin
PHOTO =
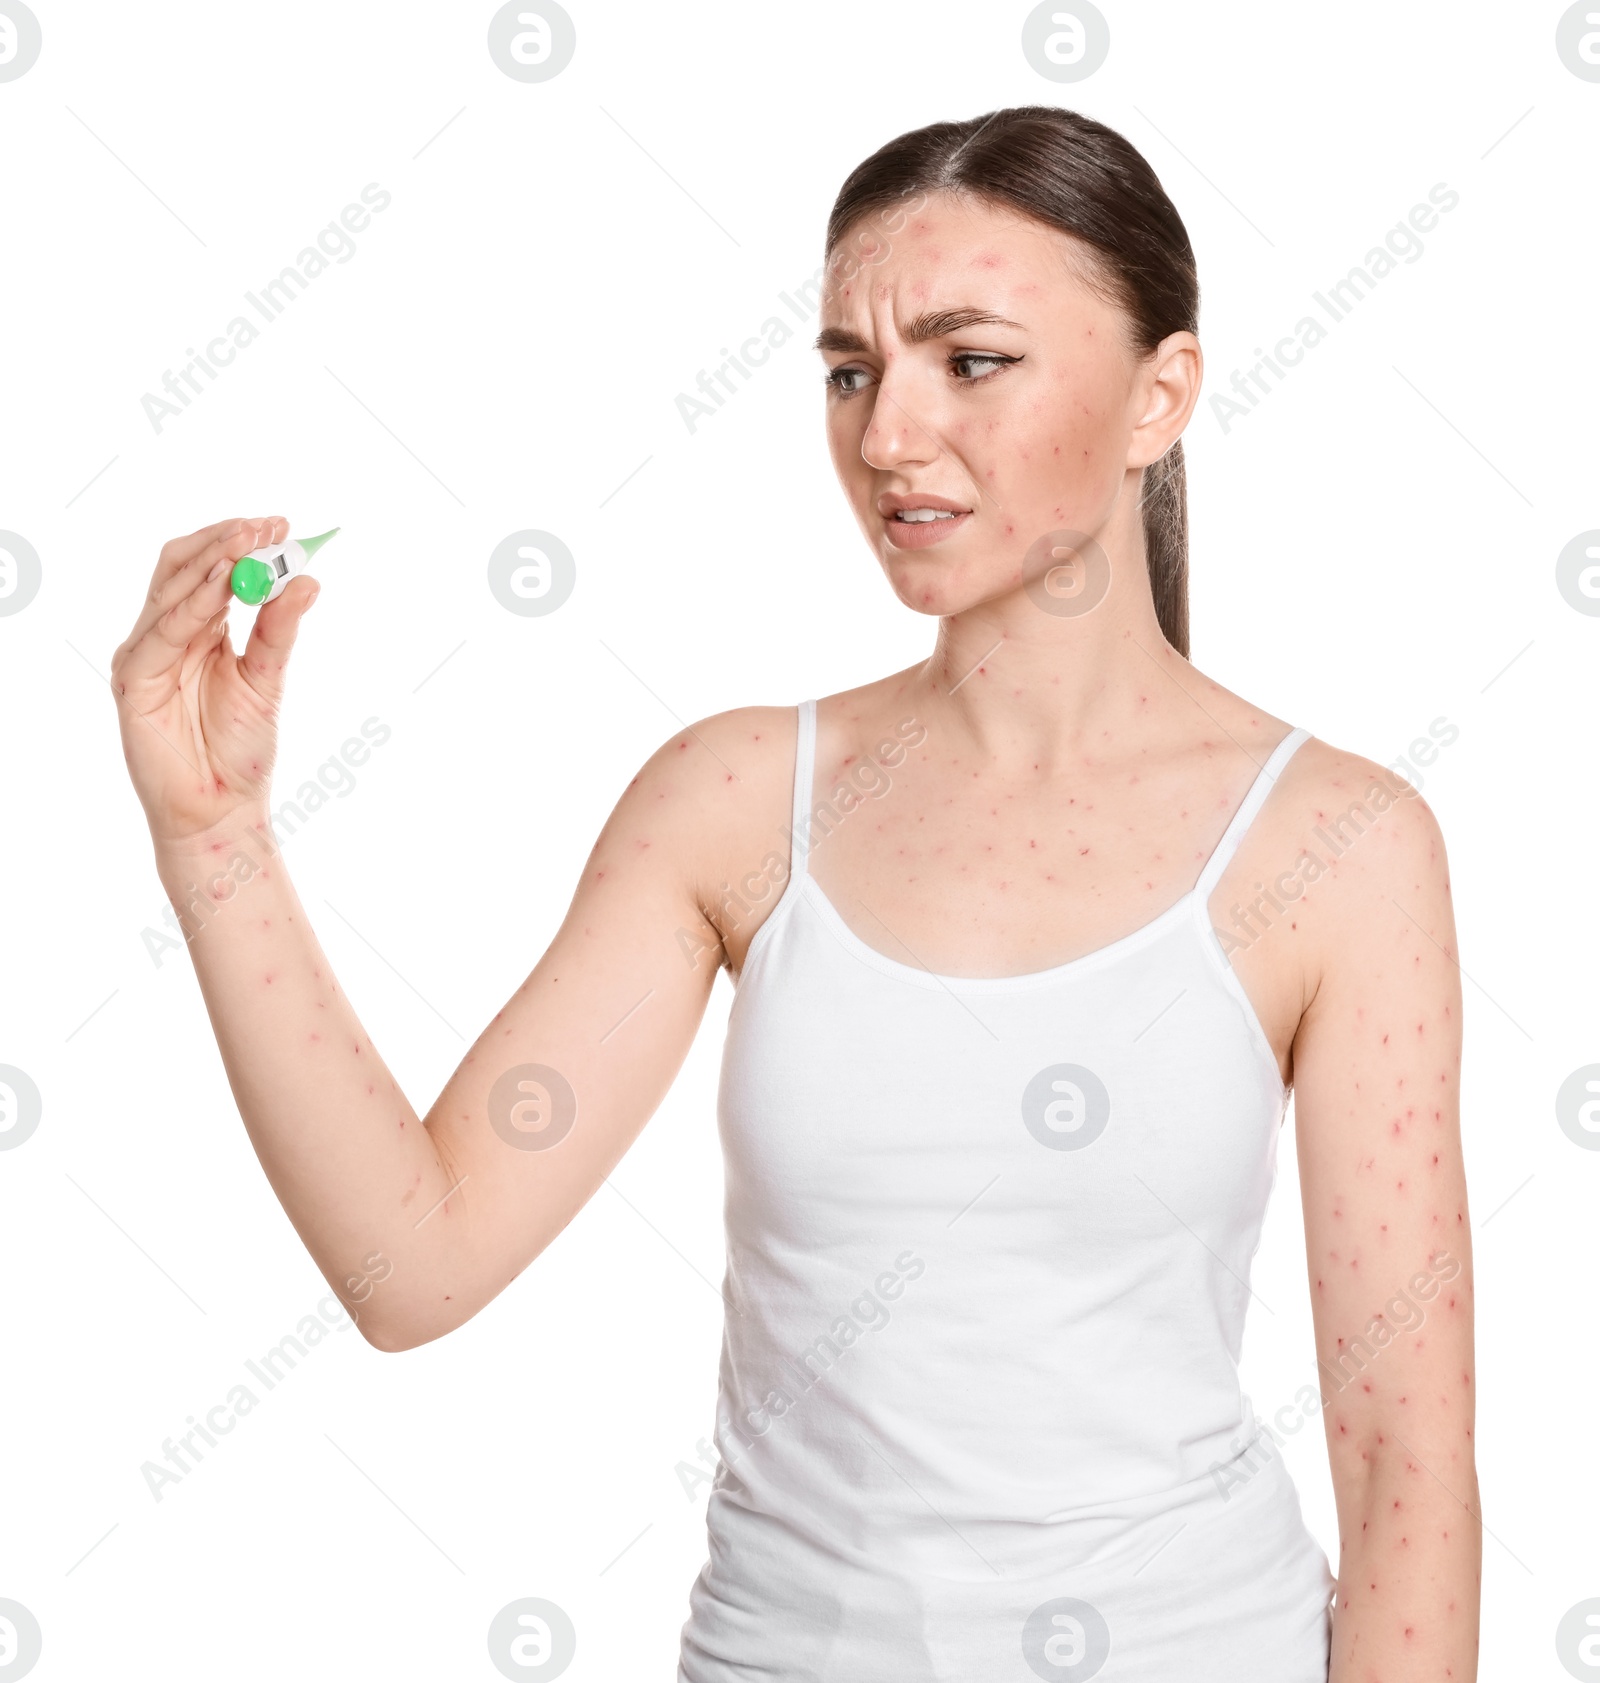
x=1323, y=781
x=1348, y=795
x=1348, y=843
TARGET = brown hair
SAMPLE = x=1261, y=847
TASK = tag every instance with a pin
x=1078, y=176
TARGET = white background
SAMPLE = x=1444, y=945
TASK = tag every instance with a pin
x=1374, y=549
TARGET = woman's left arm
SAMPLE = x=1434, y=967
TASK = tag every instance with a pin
x=1377, y=1063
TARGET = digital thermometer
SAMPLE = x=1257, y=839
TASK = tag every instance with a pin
x=263, y=575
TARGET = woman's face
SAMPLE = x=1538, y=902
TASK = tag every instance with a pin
x=972, y=373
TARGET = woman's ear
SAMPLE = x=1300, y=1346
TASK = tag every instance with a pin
x=1167, y=389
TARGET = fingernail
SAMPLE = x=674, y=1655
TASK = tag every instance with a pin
x=217, y=571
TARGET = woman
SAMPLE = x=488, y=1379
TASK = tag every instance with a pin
x=1028, y=942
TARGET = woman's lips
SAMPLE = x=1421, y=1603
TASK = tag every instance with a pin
x=922, y=534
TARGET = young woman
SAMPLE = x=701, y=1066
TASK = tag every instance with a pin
x=1028, y=942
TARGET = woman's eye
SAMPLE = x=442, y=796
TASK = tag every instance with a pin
x=975, y=365
x=970, y=367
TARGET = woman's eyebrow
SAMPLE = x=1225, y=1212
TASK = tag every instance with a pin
x=935, y=324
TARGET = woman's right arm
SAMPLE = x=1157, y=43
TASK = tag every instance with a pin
x=418, y=1221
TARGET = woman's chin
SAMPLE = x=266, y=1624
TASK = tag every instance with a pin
x=939, y=592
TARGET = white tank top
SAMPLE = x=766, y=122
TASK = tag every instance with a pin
x=989, y=1244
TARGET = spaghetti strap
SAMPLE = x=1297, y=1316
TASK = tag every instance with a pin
x=805, y=755
x=1248, y=808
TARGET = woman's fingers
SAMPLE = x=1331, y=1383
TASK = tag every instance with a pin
x=178, y=552
x=192, y=556
x=186, y=613
x=176, y=610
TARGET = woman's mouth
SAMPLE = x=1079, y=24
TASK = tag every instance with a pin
x=915, y=525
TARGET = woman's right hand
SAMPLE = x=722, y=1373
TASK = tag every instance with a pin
x=199, y=723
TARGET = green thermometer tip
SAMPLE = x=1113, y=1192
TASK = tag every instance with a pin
x=312, y=545
x=252, y=580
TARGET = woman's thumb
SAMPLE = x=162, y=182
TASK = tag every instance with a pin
x=266, y=654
